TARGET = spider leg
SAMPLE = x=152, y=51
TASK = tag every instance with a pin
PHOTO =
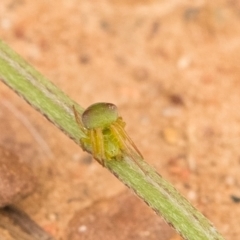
x=97, y=143
x=123, y=133
x=100, y=144
x=93, y=142
x=78, y=119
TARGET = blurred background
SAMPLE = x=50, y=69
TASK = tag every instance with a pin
x=172, y=68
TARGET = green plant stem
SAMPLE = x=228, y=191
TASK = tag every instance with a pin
x=151, y=187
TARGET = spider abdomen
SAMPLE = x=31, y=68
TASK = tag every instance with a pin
x=99, y=115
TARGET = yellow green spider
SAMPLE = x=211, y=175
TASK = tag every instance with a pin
x=105, y=134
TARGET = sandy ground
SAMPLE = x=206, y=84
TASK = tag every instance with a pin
x=172, y=68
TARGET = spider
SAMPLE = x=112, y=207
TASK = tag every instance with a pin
x=105, y=134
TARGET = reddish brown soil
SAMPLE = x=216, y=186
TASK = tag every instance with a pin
x=172, y=68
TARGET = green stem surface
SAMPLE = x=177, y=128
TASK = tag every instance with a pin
x=160, y=195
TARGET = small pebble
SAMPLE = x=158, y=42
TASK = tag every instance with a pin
x=184, y=62
x=170, y=135
x=230, y=181
x=171, y=111
x=52, y=217
x=76, y=157
x=82, y=228
x=6, y=24
x=192, y=195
